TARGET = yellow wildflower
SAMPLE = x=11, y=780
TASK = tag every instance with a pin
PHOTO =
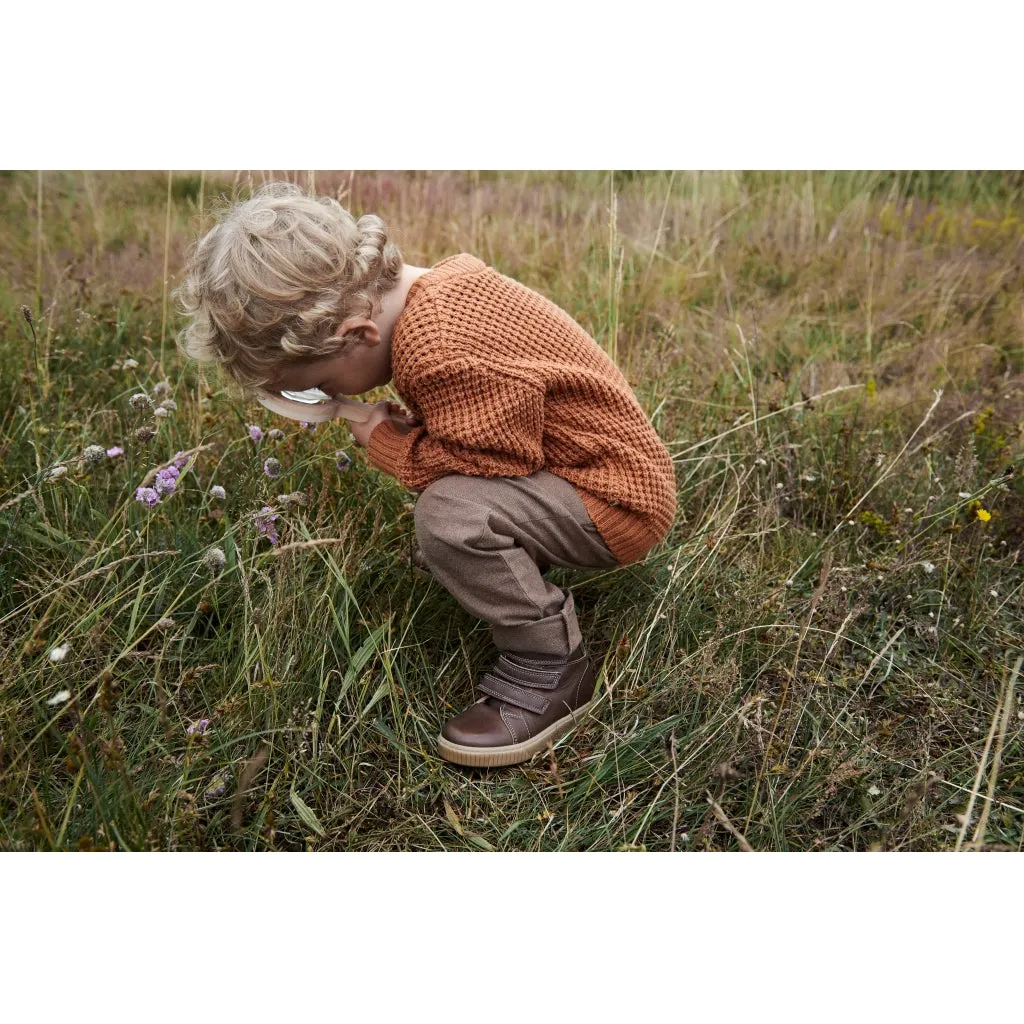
x=983, y=514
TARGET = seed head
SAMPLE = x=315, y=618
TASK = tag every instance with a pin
x=275, y=434
x=272, y=468
x=165, y=623
x=56, y=472
x=343, y=460
x=170, y=403
x=141, y=401
x=214, y=560
x=161, y=387
x=161, y=412
x=295, y=498
x=129, y=364
x=26, y=313
x=94, y=453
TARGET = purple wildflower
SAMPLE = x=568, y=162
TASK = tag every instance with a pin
x=265, y=520
x=272, y=467
x=147, y=496
x=166, y=480
x=307, y=426
x=198, y=727
x=344, y=462
x=216, y=491
x=180, y=459
x=116, y=450
x=255, y=433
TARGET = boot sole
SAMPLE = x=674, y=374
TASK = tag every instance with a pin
x=513, y=753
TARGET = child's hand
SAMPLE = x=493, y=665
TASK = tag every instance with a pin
x=400, y=419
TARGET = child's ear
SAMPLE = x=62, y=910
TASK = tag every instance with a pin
x=365, y=328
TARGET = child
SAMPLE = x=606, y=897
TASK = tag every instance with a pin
x=523, y=439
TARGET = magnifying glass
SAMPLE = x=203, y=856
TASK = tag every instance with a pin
x=313, y=406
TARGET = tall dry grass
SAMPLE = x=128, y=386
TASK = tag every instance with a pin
x=821, y=656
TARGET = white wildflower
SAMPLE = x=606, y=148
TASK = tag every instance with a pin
x=760, y=462
x=809, y=477
x=129, y=364
x=993, y=593
x=963, y=494
x=59, y=653
x=59, y=698
x=929, y=567
x=873, y=790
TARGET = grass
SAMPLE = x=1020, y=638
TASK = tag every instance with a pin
x=823, y=655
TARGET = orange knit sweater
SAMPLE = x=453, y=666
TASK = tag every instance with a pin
x=507, y=383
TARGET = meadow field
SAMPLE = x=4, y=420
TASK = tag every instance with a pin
x=825, y=654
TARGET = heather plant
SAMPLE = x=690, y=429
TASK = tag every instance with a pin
x=216, y=633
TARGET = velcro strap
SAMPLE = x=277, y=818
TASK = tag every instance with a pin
x=495, y=686
x=543, y=679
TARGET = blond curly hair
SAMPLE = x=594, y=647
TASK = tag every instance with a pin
x=270, y=283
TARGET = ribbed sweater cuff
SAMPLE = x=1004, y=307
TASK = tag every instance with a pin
x=627, y=539
x=385, y=447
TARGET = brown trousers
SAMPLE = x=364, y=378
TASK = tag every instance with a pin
x=488, y=541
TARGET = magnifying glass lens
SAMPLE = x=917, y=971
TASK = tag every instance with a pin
x=311, y=396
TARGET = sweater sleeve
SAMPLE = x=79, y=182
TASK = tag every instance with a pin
x=477, y=420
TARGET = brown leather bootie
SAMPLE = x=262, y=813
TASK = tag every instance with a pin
x=529, y=700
